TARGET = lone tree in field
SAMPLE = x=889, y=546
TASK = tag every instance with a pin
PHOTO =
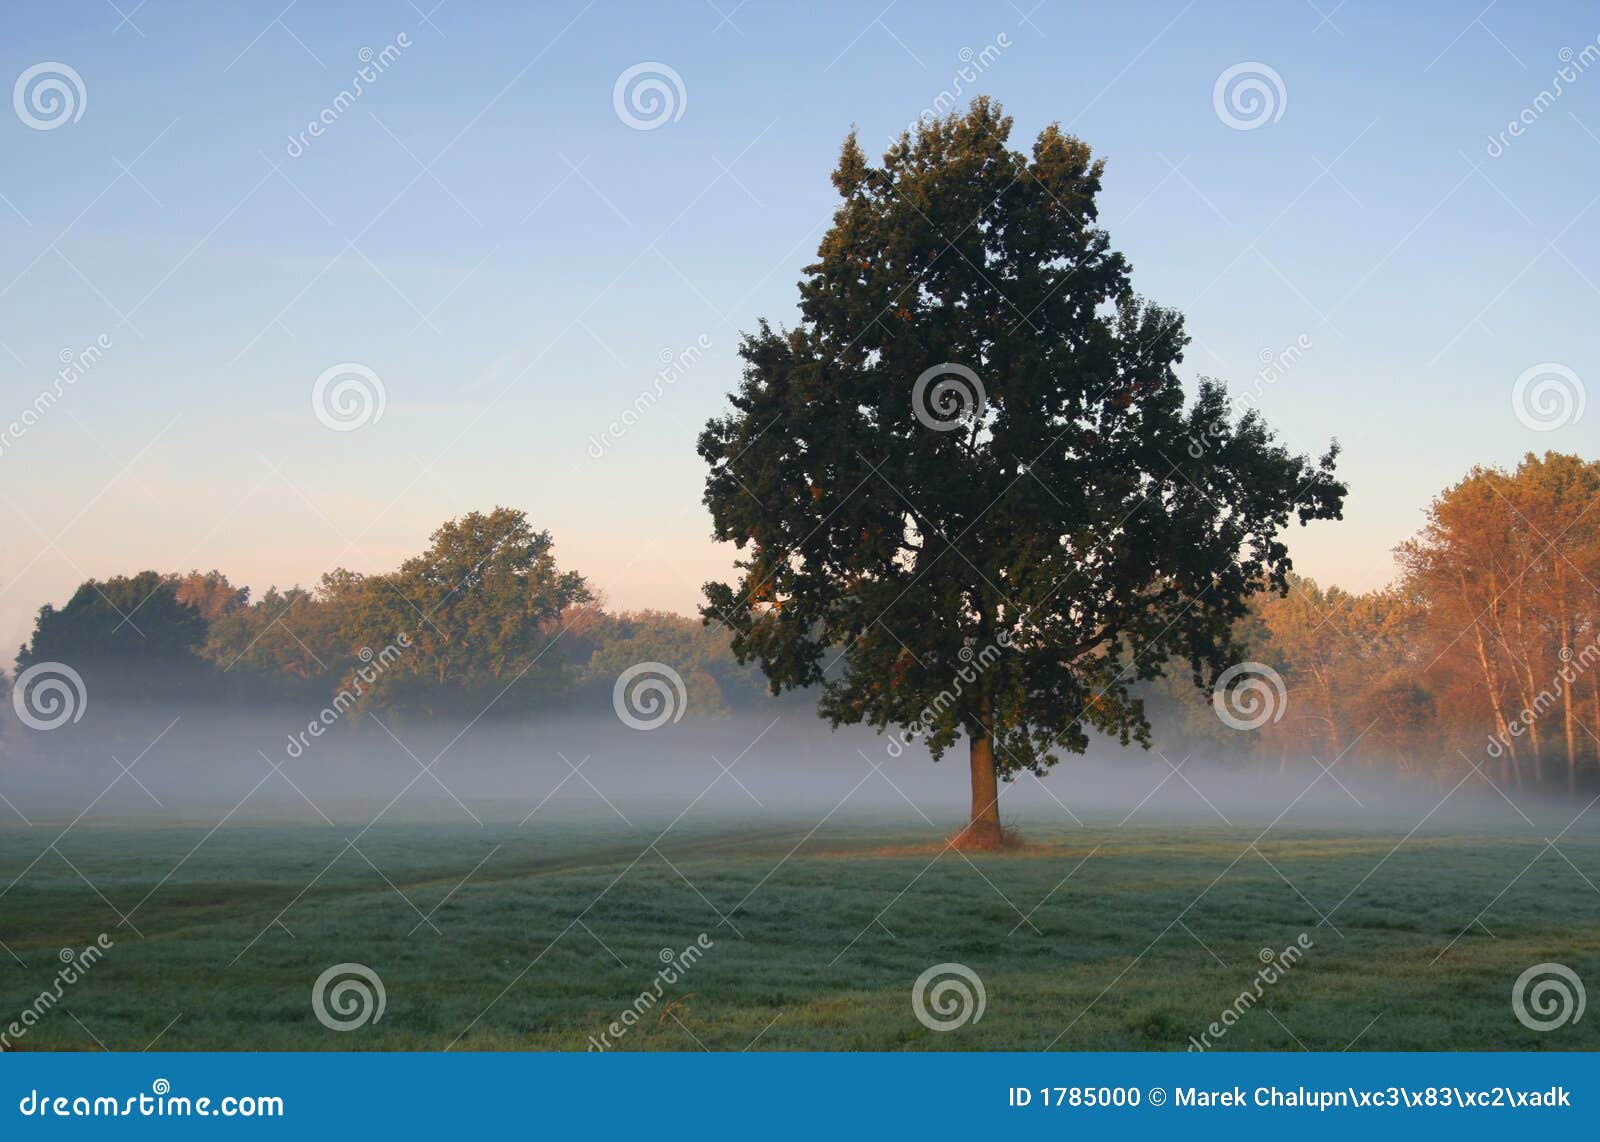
x=970, y=493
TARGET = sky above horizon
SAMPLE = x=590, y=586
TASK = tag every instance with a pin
x=513, y=240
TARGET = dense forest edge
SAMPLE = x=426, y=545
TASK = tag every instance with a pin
x=1478, y=664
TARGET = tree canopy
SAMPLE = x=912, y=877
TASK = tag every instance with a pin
x=970, y=475
x=132, y=633
x=484, y=619
x=1509, y=562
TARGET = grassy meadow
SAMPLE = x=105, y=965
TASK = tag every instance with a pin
x=537, y=938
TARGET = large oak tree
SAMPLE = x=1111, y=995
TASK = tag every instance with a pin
x=970, y=494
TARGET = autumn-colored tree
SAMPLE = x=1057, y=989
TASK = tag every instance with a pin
x=1507, y=566
x=210, y=593
x=281, y=645
x=1347, y=661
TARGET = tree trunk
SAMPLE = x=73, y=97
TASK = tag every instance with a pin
x=1568, y=716
x=1491, y=685
x=983, y=829
x=1594, y=684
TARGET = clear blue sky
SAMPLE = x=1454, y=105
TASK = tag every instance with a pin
x=483, y=231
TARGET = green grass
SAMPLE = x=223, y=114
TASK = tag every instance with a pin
x=819, y=949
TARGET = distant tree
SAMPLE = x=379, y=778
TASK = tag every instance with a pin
x=477, y=608
x=1183, y=717
x=1352, y=665
x=970, y=473
x=1507, y=567
x=715, y=682
x=128, y=636
x=284, y=644
x=210, y=593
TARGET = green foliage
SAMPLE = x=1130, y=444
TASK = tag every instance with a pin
x=126, y=635
x=714, y=679
x=472, y=617
x=1067, y=536
x=473, y=621
x=479, y=608
x=281, y=645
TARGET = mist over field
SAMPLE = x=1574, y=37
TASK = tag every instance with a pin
x=783, y=768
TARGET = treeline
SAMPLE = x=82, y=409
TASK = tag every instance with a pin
x=1482, y=662
x=484, y=615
